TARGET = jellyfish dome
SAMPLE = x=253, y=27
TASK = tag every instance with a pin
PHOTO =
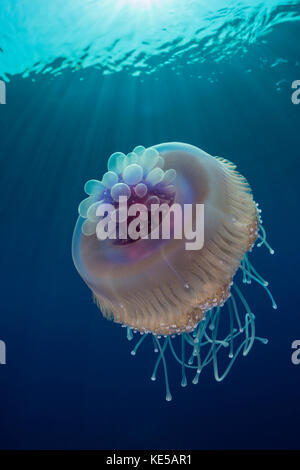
x=182, y=298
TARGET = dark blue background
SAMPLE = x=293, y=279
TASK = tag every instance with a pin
x=70, y=381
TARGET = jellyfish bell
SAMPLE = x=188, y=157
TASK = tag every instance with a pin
x=157, y=286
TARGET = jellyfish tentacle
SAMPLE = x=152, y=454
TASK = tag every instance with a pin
x=211, y=322
x=234, y=305
x=263, y=239
x=162, y=357
x=242, y=298
x=155, y=349
x=176, y=357
x=183, y=380
x=129, y=333
x=142, y=338
x=257, y=278
x=229, y=306
x=250, y=268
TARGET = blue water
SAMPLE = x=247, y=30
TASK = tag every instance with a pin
x=70, y=381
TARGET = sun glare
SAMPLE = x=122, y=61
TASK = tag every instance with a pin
x=145, y=4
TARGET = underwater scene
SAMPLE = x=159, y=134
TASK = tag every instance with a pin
x=116, y=334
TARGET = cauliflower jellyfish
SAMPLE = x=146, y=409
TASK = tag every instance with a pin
x=183, y=301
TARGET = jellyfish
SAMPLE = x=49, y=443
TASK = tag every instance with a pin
x=186, y=302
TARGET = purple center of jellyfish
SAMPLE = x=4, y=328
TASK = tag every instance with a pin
x=139, y=177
